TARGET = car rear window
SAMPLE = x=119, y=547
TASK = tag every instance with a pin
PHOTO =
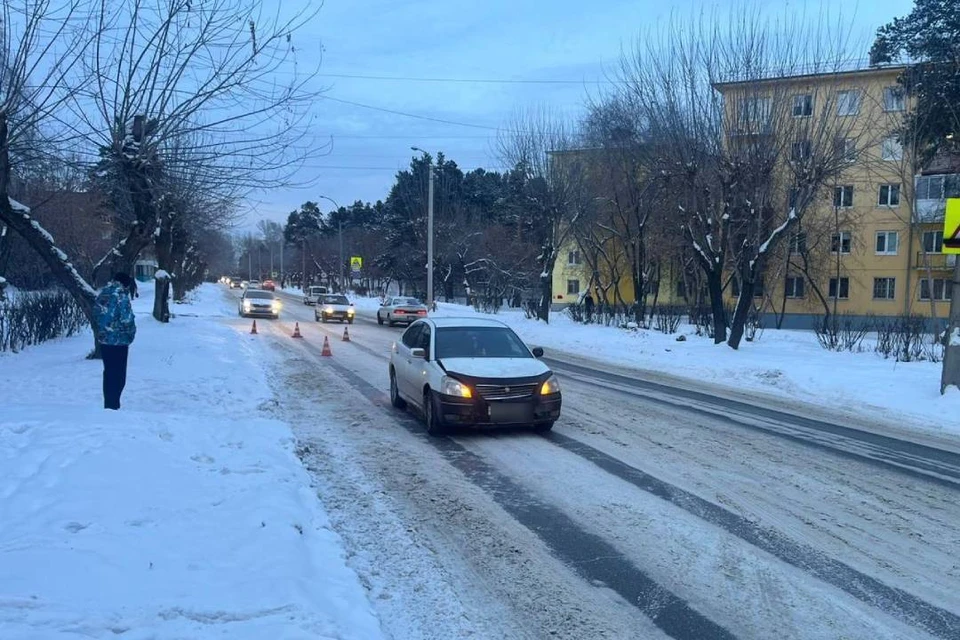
x=410, y=302
x=479, y=342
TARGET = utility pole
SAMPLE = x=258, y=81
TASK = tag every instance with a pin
x=950, y=374
x=429, y=227
x=340, y=228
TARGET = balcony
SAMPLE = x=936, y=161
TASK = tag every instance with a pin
x=938, y=261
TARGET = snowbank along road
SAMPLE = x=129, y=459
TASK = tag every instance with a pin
x=649, y=512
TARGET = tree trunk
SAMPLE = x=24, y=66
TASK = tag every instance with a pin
x=950, y=376
x=161, y=300
x=546, y=290
x=715, y=288
x=740, y=314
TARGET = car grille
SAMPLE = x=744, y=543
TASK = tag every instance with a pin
x=506, y=392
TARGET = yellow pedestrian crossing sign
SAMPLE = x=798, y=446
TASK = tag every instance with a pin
x=951, y=227
x=356, y=263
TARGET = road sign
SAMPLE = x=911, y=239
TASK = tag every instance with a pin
x=356, y=264
x=951, y=227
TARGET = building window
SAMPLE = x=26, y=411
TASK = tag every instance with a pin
x=573, y=258
x=843, y=196
x=803, y=105
x=938, y=187
x=933, y=241
x=573, y=287
x=681, y=289
x=754, y=114
x=884, y=288
x=844, y=289
x=893, y=99
x=846, y=149
x=794, y=287
x=887, y=242
x=889, y=195
x=891, y=149
x=848, y=103
x=800, y=151
x=798, y=243
x=840, y=242
x=942, y=289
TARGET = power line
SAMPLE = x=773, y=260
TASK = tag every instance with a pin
x=464, y=80
x=413, y=115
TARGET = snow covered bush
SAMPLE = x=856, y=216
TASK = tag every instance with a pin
x=906, y=339
x=667, y=318
x=842, y=332
x=34, y=317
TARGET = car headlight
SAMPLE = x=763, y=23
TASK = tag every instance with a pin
x=451, y=387
x=246, y=305
x=550, y=387
x=350, y=312
x=328, y=309
x=276, y=305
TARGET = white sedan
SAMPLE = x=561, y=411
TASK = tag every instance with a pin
x=459, y=371
x=334, y=307
x=401, y=310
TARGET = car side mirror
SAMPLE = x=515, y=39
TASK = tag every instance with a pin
x=538, y=352
x=418, y=353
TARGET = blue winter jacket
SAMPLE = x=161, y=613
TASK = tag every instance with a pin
x=115, y=322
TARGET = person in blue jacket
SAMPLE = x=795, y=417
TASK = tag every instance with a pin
x=116, y=329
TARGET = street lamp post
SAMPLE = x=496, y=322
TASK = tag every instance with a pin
x=340, y=232
x=429, y=227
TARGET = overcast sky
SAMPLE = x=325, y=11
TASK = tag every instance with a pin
x=465, y=45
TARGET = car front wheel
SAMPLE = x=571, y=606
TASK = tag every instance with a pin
x=543, y=427
x=395, y=399
x=433, y=421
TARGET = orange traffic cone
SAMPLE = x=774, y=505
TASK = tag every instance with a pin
x=253, y=329
x=326, y=347
x=296, y=331
x=346, y=335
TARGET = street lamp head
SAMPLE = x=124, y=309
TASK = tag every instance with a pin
x=417, y=149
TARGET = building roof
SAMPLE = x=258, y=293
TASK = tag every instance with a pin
x=850, y=73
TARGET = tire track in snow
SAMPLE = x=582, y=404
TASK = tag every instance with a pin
x=917, y=460
x=896, y=602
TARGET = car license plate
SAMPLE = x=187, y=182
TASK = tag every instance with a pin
x=505, y=412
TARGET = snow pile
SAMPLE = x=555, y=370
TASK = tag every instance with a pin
x=782, y=364
x=184, y=515
x=160, y=274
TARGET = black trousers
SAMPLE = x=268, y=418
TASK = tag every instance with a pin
x=114, y=373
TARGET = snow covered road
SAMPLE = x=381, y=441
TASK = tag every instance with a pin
x=636, y=518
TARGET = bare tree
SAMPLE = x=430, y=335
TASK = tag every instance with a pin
x=186, y=93
x=40, y=44
x=743, y=169
x=550, y=182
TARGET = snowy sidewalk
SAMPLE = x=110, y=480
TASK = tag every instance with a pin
x=184, y=515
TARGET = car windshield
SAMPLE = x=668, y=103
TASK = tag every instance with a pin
x=335, y=300
x=263, y=295
x=479, y=342
x=406, y=301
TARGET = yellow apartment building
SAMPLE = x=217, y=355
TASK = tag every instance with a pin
x=872, y=242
